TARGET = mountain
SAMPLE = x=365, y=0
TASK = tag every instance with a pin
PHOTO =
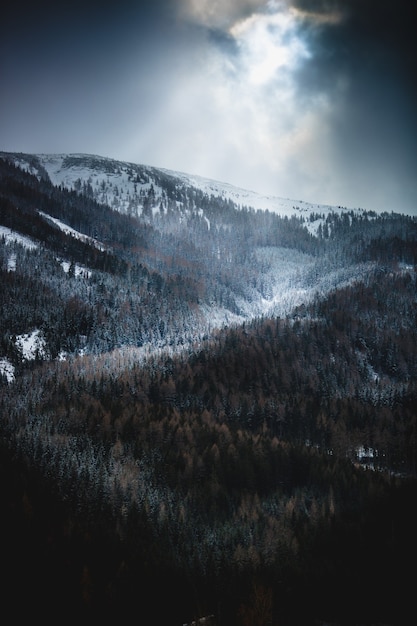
x=121, y=185
x=206, y=394
x=221, y=258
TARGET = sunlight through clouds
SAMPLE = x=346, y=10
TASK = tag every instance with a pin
x=235, y=109
x=269, y=42
x=244, y=97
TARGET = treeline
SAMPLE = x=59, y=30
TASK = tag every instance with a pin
x=387, y=238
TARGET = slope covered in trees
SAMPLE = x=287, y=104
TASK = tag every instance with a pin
x=222, y=413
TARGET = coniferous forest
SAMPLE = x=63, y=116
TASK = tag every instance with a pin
x=207, y=410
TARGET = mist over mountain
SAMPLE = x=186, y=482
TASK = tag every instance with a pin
x=228, y=379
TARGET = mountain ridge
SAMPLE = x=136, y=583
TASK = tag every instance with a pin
x=58, y=166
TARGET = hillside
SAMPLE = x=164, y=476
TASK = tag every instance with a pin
x=121, y=184
x=205, y=394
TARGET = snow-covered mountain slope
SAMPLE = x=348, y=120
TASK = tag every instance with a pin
x=122, y=185
x=140, y=256
x=253, y=199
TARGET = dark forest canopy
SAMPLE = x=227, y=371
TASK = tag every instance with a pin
x=220, y=409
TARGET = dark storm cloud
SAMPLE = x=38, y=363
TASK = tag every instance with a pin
x=365, y=63
x=372, y=38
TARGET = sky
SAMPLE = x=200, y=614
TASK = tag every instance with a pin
x=312, y=100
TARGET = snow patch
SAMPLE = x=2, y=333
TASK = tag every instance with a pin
x=11, y=263
x=7, y=370
x=252, y=199
x=31, y=345
x=12, y=236
x=79, y=270
x=72, y=232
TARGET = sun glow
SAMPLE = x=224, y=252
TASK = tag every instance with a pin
x=269, y=43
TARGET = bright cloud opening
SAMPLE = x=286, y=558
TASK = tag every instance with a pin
x=236, y=114
x=269, y=42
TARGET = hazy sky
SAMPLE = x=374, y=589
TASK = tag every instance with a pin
x=307, y=99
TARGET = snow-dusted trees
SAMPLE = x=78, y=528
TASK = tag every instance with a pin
x=207, y=456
